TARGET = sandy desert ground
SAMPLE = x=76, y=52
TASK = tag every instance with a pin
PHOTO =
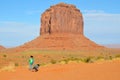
x=106, y=70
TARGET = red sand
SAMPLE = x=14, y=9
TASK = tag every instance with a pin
x=72, y=71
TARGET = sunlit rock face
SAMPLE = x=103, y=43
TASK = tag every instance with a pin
x=62, y=18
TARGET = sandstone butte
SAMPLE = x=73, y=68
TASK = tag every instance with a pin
x=61, y=29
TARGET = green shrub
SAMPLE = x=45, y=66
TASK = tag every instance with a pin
x=66, y=61
x=53, y=61
x=110, y=57
x=99, y=57
x=117, y=56
x=16, y=64
x=4, y=55
x=88, y=60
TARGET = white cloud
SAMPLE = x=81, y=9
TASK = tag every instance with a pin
x=18, y=27
x=102, y=27
x=33, y=12
x=16, y=33
x=102, y=22
x=92, y=11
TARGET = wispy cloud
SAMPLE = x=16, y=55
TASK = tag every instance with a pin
x=102, y=27
x=92, y=11
x=105, y=22
x=18, y=27
x=33, y=12
x=16, y=33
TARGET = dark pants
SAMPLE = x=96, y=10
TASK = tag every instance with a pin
x=34, y=68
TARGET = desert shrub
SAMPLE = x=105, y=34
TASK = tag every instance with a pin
x=66, y=61
x=8, y=68
x=63, y=57
x=75, y=59
x=85, y=59
x=99, y=57
x=23, y=57
x=42, y=64
x=117, y=56
x=44, y=55
x=16, y=64
x=72, y=58
x=4, y=55
x=110, y=57
x=53, y=61
x=88, y=60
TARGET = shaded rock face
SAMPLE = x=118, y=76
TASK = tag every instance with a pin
x=62, y=18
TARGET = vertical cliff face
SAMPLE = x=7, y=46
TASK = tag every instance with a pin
x=62, y=18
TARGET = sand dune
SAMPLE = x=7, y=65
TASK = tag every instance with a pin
x=72, y=71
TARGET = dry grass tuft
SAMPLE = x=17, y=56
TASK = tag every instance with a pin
x=10, y=67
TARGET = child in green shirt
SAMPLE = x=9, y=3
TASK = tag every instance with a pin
x=31, y=61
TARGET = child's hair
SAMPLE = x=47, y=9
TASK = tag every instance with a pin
x=31, y=56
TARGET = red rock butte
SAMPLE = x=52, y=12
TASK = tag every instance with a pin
x=61, y=29
x=62, y=18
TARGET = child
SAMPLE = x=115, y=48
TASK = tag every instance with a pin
x=35, y=68
x=31, y=61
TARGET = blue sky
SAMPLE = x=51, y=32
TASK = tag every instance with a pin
x=20, y=20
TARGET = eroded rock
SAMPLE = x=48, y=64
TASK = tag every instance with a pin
x=62, y=18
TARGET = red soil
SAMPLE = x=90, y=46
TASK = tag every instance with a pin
x=72, y=71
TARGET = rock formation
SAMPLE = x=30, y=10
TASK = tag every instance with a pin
x=62, y=18
x=61, y=29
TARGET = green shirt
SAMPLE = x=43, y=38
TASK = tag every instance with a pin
x=31, y=61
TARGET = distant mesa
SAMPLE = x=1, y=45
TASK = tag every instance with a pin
x=61, y=29
x=1, y=47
